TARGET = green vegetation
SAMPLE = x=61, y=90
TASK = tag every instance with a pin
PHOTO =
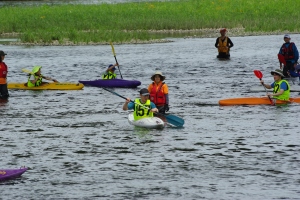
x=132, y=21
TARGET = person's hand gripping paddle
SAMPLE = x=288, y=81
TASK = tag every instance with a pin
x=259, y=75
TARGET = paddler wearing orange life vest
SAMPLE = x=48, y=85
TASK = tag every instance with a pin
x=223, y=43
x=159, y=92
x=3, y=75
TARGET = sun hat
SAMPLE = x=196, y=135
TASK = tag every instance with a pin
x=2, y=53
x=144, y=92
x=162, y=77
x=113, y=69
x=277, y=71
x=223, y=30
x=36, y=69
x=287, y=36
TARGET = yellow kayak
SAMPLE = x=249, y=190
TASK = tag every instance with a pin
x=48, y=86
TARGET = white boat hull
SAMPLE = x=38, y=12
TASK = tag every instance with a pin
x=149, y=122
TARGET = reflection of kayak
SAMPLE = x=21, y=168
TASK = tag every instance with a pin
x=112, y=83
x=48, y=86
x=149, y=122
x=254, y=101
x=11, y=173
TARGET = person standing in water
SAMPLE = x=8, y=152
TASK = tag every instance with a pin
x=3, y=77
x=159, y=92
x=223, y=43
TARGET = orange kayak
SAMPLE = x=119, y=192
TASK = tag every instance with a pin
x=255, y=101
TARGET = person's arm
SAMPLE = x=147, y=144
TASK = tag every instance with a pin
x=49, y=78
x=217, y=43
x=266, y=85
x=296, y=54
x=230, y=43
x=153, y=107
x=125, y=105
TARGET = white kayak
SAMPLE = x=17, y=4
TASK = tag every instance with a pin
x=149, y=122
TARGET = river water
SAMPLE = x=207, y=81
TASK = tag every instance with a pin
x=79, y=144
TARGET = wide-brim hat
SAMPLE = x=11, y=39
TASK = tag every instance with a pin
x=277, y=71
x=162, y=77
x=36, y=69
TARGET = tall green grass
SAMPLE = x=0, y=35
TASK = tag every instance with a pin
x=131, y=21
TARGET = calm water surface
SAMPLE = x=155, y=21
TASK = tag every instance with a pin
x=79, y=144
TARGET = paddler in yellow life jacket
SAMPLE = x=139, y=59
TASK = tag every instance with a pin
x=142, y=106
x=281, y=88
x=223, y=43
x=110, y=72
x=38, y=78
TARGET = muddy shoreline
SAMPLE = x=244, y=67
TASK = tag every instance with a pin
x=196, y=33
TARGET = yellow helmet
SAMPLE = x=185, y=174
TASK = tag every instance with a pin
x=36, y=69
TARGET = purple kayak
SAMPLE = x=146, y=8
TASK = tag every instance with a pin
x=120, y=83
x=11, y=173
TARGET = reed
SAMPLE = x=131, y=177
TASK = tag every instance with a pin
x=132, y=21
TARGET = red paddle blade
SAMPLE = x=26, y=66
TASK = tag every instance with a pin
x=281, y=59
x=258, y=74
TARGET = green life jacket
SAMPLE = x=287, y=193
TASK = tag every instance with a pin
x=140, y=111
x=37, y=83
x=285, y=96
x=109, y=75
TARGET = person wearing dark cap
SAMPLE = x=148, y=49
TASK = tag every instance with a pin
x=110, y=72
x=159, y=92
x=3, y=77
x=223, y=43
x=142, y=106
x=290, y=53
x=281, y=88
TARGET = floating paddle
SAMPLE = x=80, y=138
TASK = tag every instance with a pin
x=27, y=71
x=281, y=59
x=113, y=50
x=259, y=75
x=172, y=119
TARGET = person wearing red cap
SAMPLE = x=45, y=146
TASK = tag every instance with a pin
x=3, y=75
x=223, y=43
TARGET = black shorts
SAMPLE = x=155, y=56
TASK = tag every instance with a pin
x=3, y=91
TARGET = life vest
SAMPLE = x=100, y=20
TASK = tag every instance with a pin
x=157, y=96
x=3, y=73
x=109, y=75
x=288, y=52
x=140, y=111
x=37, y=83
x=285, y=96
x=222, y=48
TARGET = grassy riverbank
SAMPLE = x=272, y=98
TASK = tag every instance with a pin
x=137, y=22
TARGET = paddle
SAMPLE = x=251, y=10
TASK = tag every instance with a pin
x=27, y=71
x=171, y=119
x=281, y=59
x=30, y=72
x=113, y=50
x=259, y=75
